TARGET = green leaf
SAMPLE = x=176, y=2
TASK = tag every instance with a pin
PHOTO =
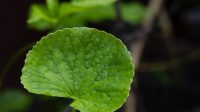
x=89, y=66
x=14, y=101
x=133, y=12
x=40, y=18
x=53, y=6
x=67, y=9
x=58, y=16
x=94, y=14
x=92, y=2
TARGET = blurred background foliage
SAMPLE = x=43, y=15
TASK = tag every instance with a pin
x=167, y=77
x=14, y=101
x=54, y=15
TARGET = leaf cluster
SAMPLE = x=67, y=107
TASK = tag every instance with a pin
x=58, y=15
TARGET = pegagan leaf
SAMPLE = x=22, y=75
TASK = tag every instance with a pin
x=93, y=14
x=53, y=6
x=92, y=2
x=69, y=9
x=40, y=17
x=131, y=13
x=89, y=66
x=54, y=15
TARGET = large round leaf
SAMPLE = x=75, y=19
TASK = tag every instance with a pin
x=89, y=66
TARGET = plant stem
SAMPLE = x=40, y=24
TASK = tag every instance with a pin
x=118, y=11
x=12, y=60
x=72, y=109
x=137, y=47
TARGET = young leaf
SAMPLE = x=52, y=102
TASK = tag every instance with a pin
x=69, y=9
x=133, y=12
x=39, y=17
x=53, y=6
x=89, y=66
x=93, y=14
x=92, y=2
x=54, y=16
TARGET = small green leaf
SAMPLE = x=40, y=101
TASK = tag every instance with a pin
x=58, y=16
x=92, y=2
x=89, y=66
x=53, y=6
x=93, y=14
x=14, y=101
x=133, y=12
x=67, y=9
x=40, y=18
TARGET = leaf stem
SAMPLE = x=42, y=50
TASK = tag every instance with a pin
x=72, y=109
x=12, y=60
x=118, y=11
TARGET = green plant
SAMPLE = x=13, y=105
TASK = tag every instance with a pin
x=92, y=2
x=56, y=15
x=89, y=66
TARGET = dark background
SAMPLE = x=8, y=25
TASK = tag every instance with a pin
x=14, y=35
